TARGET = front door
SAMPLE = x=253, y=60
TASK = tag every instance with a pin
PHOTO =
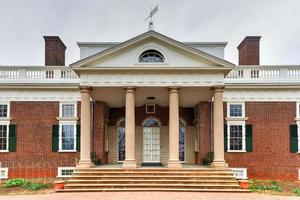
x=151, y=141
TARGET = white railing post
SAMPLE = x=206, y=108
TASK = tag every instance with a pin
x=57, y=74
x=283, y=73
x=247, y=73
x=22, y=73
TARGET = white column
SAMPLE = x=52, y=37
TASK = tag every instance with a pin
x=219, y=161
x=174, y=128
x=85, y=122
x=130, y=161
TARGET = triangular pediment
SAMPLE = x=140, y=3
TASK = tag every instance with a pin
x=176, y=54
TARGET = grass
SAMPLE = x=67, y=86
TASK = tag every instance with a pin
x=275, y=187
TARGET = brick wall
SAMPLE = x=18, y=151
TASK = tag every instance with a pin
x=34, y=156
x=271, y=157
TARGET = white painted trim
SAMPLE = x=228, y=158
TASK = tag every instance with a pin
x=6, y=173
x=236, y=123
x=67, y=103
x=244, y=172
x=298, y=174
x=235, y=103
x=60, y=136
x=59, y=171
x=298, y=134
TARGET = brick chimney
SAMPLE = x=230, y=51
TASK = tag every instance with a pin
x=249, y=51
x=54, y=51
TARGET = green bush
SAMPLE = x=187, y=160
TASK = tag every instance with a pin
x=36, y=186
x=20, y=182
x=296, y=191
x=17, y=182
x=260, y=187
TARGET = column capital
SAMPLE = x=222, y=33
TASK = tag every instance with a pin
x=130, y=89
x=173, y=89
x=85, y=89
x=218, y=88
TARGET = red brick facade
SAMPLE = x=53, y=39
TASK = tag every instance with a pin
x=271, y=157
x=249, y=51
x=54, y=51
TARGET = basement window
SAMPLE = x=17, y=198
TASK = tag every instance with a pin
x=150, y=108
x=65, y=171
x=240, y=173
x=3, y=173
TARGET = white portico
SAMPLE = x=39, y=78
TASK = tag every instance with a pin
x=151, y=64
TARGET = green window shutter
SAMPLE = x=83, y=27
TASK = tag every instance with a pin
x=249, y=143
x=12, y=138
x=78, y=138
x=294, y=138
x=225, y=138
x=55, y=137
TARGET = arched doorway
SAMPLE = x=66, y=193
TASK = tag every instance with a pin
x=151, y=140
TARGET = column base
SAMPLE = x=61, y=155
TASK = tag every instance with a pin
x=84, y=164
x=219, y=164
x=129, y=164
x=174, y=164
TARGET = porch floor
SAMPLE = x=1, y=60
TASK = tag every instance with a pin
x=119, y=166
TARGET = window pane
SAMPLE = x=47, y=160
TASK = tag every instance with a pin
x=3, y=110
x=181, y=143
x=68, y=139
x=236, y=137
x=68, y=110
x=236, y=110
x=3, y=137
x=151, y=56
x=121, y=135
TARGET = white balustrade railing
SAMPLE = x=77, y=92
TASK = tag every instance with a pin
x=55, y=74
x=278, y=73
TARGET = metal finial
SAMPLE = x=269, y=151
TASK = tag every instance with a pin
x=152, y=12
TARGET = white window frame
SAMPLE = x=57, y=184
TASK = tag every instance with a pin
x=240, y=169
x=6, y=173
x=299, y=174
x=67, y=103
x=6, y=123
x=59, y=171
x=60, y=136
x=297, y=111
x=146, y=109
x=236, y=103
x=298, y=131
x=236, y=123
x=8, y=110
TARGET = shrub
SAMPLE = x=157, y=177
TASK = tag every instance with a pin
x=36, y=186
x=261, y=187
x=17, y=182
x=296, y=191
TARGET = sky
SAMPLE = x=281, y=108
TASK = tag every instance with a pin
x=23, y=23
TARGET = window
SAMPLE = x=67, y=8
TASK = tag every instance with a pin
x=65, y=171
x=67, y=137
x=182, y=131
x=236, y=110
x=3, y=110
x=151, y=56
x=236, y=137
x=3, y=173
x=150, y=108
x=68, y=110
x=240, y=173
x=121, y=140
x=298, y=110
x=3, y=137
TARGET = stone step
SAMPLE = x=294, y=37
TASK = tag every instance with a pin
x=147, y=177
x=130, y=181
x=151, y=189
x=152, y=169
x=154, y=185
x=151, y=173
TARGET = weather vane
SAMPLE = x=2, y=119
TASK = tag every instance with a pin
x=152, y=12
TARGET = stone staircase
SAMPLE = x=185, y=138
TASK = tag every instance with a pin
x=152, y=179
